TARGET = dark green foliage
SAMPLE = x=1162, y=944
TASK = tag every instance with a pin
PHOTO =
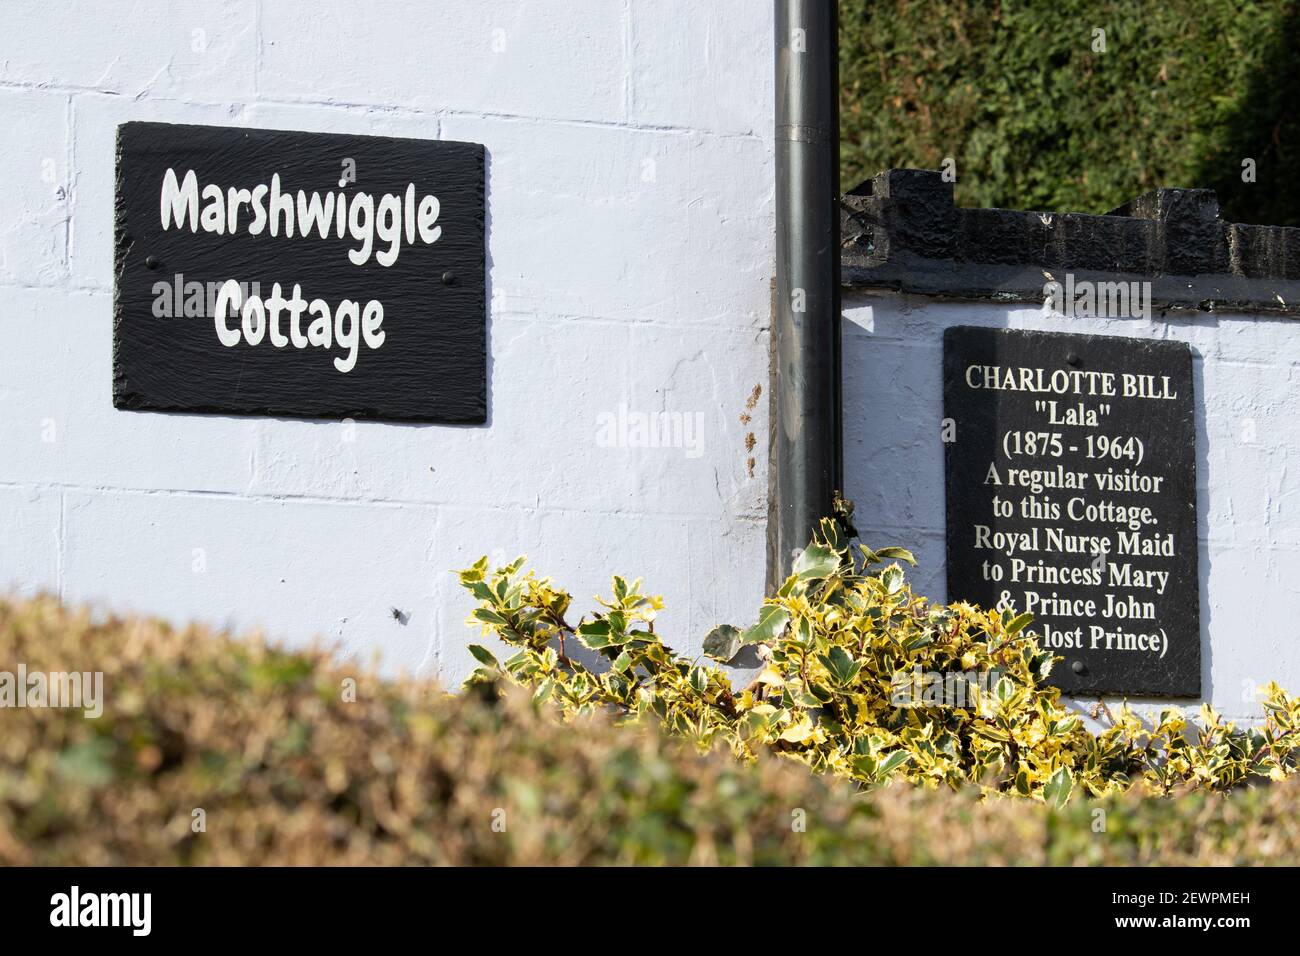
x=1036, y=119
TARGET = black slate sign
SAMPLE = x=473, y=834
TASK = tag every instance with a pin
x=1071, y=494
x=266, y=272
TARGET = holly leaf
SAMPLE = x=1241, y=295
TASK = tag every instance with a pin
x=483, y=655
x=772, y=620
x=815, y=562
x=1058, y=788
x=896, y=554
x=842, y=667
x=723, y=642
x=1018, y=623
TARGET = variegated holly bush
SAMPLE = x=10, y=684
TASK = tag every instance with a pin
x=864, y=679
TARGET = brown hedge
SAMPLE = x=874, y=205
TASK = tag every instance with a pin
x=286, y=771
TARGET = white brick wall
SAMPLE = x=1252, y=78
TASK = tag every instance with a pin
x=630, y=245
x=1246, y=377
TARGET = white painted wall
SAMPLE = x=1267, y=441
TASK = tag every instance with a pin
x=630, y=245
x=1246, y=376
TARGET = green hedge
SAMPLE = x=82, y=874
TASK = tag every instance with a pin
x=286, y=771
x=1035, y=119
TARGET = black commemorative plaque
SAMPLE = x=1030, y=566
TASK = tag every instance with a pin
x=267, y=272
x=1071, y=494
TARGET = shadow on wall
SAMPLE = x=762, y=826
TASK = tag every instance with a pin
x=1265, y=128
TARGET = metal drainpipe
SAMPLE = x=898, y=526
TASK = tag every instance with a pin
x=806, y=446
